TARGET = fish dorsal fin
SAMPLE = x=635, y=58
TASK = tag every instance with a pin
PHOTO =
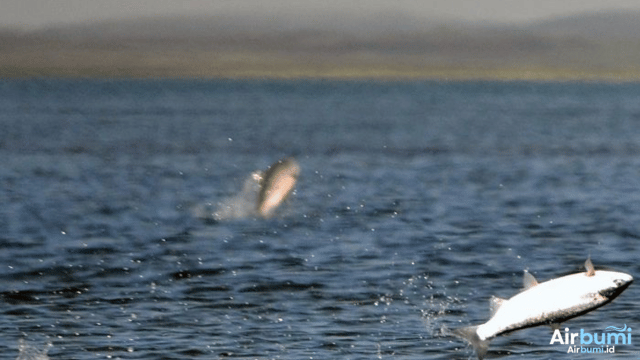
x=494, y=304
x=528, y=280
x=589, y=266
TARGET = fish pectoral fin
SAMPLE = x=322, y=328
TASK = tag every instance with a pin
x=589, y=266
x=529, y=280
x=495, y=303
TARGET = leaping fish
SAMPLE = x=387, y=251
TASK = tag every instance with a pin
x=547, y=303
x=276, y=184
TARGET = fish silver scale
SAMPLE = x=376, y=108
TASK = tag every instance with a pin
x=553, y=301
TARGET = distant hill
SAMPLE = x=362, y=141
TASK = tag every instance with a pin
x=602, y=26
x=330, y=43
x=606, y=25
x=360, y=25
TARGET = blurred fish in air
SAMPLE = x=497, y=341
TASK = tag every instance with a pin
x=276, y=184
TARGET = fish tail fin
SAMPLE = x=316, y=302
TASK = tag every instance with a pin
x=469, y=333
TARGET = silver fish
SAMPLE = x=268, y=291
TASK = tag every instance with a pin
x=276, y=184
x=547, y=303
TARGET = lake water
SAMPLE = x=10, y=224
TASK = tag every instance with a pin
x=417, y=202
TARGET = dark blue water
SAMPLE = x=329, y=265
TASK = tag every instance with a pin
x=417, y=202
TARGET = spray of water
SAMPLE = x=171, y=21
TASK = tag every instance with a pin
x=30, y=352
x=241, y=205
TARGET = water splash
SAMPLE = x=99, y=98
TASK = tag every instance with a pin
x=29, y=352
x=433, y=302
x=241, y=205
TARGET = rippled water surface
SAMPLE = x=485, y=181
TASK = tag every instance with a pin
x=417, y=202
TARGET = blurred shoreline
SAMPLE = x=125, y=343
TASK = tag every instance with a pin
x=204, y=65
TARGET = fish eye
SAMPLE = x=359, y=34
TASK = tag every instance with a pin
x=618, y=282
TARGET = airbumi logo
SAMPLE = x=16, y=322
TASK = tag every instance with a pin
x=604, y=342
